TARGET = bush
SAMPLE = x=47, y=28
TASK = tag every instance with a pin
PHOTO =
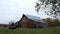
x=52, y=22
x=12, y=25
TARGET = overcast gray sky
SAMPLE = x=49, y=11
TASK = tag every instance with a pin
x=13, y=10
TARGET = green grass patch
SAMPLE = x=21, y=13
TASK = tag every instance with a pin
x=51, y=30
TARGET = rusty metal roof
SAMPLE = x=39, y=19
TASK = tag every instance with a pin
x=34, y=18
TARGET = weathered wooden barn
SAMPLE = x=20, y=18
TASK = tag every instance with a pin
x=29, y=21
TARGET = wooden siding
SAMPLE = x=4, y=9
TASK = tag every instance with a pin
x=28, y=23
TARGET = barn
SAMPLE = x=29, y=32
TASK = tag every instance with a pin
x=29, y=21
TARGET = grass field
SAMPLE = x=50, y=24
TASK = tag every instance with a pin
x=50, y=30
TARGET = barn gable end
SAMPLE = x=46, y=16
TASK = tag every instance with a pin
x=28, y=21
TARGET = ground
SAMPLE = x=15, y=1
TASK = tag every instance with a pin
x=50, y=30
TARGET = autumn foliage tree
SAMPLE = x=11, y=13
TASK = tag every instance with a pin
x=52, y=22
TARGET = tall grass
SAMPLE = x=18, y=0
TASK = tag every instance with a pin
x=51, y=30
